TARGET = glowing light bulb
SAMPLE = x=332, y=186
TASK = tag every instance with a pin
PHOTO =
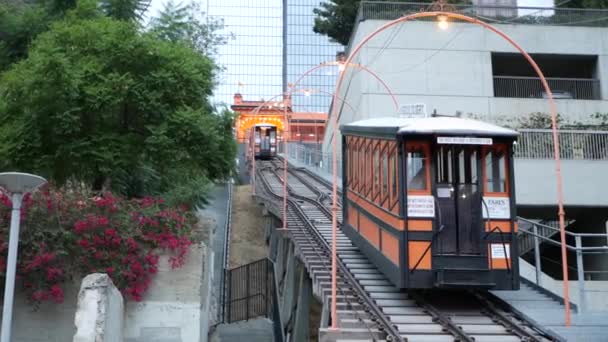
x=306, y=92
x=341, y=67
x=442, y=22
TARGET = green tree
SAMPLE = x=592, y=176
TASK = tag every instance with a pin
x=584, y=4
x=177, y=22
x=19, y=24
x=98, y=101
x=125, y=9
x=336, y=18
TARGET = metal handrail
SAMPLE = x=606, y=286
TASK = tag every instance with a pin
x=532, y=144
x=388, y=10
x=557, y=230
x=547, y=78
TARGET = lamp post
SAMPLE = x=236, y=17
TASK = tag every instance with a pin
x=442, y=11
x=17, y=184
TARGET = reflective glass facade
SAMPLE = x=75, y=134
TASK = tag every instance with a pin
x=305, y=49
x=255, y=57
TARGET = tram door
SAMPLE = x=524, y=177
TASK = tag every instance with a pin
x=265, y=145
x=459, y=200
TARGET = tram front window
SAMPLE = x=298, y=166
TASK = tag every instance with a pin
x=495, y=165
x=416, y=169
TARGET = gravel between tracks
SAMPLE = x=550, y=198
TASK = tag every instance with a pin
x=247, y=238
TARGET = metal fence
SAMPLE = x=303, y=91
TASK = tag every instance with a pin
x=495, y=14
x=562, y=88
x=532, y=144
x=537, y=232
x=577, y=145
x=249, y=292
x=310, y=155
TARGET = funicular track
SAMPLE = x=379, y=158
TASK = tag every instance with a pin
x=367, y=299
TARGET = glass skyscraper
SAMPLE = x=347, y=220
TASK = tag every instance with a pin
x=273, y=44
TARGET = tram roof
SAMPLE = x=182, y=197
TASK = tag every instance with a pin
x=429, y=126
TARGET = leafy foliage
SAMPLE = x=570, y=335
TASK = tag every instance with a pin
x=18, y=27
x=584, y=4
x=97, y=99
x=71, y=232
x=336, y=18
x=178, y=22
x=538, y=120
x=125, y=9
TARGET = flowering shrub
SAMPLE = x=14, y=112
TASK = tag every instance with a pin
x=67, y=233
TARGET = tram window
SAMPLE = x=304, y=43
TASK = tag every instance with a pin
x=416, y=169
x=376, y=172
x=495, y=168
x=353, y=165
x=368, y=168
x=444, y=165
x=394, y=168
x=384, y=175
x=467, y=165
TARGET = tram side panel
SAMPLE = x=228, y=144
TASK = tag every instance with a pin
x=372, y=212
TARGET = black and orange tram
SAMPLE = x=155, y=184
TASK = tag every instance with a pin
x=431, y=201
x=265, y=141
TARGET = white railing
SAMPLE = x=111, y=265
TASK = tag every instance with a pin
x=583, y=274
x=532, y=144
x=577, y=145
x=562, y=88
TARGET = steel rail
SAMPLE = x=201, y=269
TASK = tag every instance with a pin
x=373, y=309
x=486, y=307
x=326, y=255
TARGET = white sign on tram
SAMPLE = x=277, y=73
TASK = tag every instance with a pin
x=500, y=251
x=464, y=141
x=420, y=206
x=415, y=110
x=497, y=208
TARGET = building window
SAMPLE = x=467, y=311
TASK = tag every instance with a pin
x=569, y=76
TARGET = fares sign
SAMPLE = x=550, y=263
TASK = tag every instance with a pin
x=497, y=208
x=464, y=141
x=420, y=206
x=497, y=250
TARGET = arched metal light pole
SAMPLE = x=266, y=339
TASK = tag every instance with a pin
x=438, y=10
x=285, y=130
x=343, y=66
x=17, y=185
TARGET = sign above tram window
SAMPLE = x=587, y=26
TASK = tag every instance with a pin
x=464, y=141
x=414, y=110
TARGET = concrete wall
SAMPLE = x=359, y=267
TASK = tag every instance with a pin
x=49, y=322
x=100, y=314
x=585, y=182
x=451, y=71
x=172, y=308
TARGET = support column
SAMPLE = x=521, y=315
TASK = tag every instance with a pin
x=302, y=318
x=288, y=287
x=581, y=275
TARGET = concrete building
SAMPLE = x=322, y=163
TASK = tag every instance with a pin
x=469, y=71
x=466, y=70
